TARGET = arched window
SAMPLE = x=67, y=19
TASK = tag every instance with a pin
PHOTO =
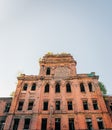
x=25, y=87
x=68, y=87
x=90, y=87
x=57, y=88
x=48, y=71
x=33, y=87
x=82, y=89
x=46, y=88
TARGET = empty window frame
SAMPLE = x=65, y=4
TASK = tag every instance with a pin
x=45, y=105
x=71, y=124
x=57, y=124
x=25, y=87
x=27, y=123
x=57, y=104
x=100, y=123
x=85, y=105
x=89, y=124
x=90, y=87
x=111, y=106
x=44, y=124
x=46, y=88
x=48, y=71
x=33, y=88
x=7, y=107
x=20, y=105
x=68, y=87
x=70, y=105
x=16, y=123
x=2, y=122
x=57, y=88
x=82, y=88
x=95, y=104
x=30, y=105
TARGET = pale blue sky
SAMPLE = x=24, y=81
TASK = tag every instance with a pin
x=31, y=28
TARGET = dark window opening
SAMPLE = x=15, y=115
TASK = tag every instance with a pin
x=68, y=88
x=57, y=105
x=7, y=107
x=82, y=87
x=20, y=106
x=48, y=71
x=45, y=105
x=57, y=88
x=46, y=88
x=89, y=124
x=111, y=107
x=33, y=87
x=90, y=87
x=44, y=124
x=70, y=105
x=25, y=87
x=95, y=105
x=71, y=124
x=30, y=105
x=100, y=123
x=16, y=123
x=2, y=122
x=57, y=124
x=85, y=105
x=26, y=123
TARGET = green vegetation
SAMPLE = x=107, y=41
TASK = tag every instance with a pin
x=102, y=87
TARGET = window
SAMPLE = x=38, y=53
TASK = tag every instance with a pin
x=69, y=105
x=71, y=124
x=100, y=123
x=82, y=89
x=45, y=105
x=89, y=123
x=33, y=88
x=44, y=124
x=20, y=106
x=95, y=105
x=57, y=88
x=16, y=123
x=30, y=105
x=90, y=87
x=27, y=123
x=111, y=107
x=57, y=105
x=48, y=71
x=57, y=124
x=2, y=122
x=25, y=87
x=7, y=107
x=85, y=105
x=68, y=87
x=46, y=88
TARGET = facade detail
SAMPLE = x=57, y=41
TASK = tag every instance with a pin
x=57, y=99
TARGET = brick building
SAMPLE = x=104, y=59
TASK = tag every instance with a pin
x=57, y=99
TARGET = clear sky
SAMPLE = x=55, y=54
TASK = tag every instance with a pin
x=31, y=28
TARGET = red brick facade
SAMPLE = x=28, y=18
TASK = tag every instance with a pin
x=58, y=99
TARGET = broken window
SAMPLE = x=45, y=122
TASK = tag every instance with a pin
x=30, y=105
x=44, y=124
x=100, y=123
x=33, y=88
x=2, y=122
x=20, y=106
x=57, y=105
x=57, y=88
x=16, y=123
x=27, y=123
x=45, y=105
x=95, y=105
x=7, y=107
x=48, y=71
x=85, y=105
x=57, y=124
x=82, y=89
x=90, y=87
x=71, y=124
x=25, y=87
x=68, y=87
x=89, y=123
x=69, y=105
x=46, y=88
